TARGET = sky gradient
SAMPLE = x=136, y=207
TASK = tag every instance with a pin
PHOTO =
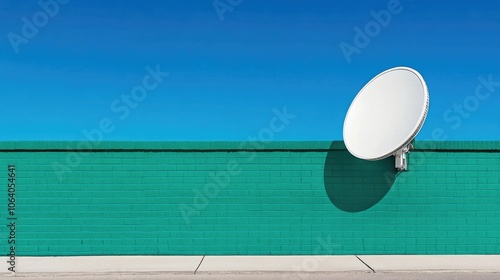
x=66, y=66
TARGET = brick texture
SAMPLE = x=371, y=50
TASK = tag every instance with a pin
x=218, y=199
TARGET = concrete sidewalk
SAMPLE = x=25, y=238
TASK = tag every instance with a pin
x=230, y=264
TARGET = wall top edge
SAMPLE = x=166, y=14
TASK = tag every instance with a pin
x=27, y=146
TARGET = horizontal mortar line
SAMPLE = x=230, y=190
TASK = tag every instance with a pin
x=263, y=150
x=161, y=150
x=458, y=150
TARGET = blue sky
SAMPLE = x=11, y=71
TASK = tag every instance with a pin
x=233, y=65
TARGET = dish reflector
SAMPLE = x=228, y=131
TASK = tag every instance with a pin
x=386, y=115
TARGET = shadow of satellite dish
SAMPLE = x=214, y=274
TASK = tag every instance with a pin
x=355, y=185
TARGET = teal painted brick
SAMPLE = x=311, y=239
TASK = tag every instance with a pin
x=126, y=198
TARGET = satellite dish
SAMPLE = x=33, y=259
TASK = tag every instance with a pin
x=386, y=115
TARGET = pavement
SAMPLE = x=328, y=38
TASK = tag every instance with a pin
x=257, y=267
x=272, y=276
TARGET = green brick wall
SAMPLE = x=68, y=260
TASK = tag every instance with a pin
x=228, y=198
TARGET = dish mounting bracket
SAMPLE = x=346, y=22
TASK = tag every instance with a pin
x=401, y=163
